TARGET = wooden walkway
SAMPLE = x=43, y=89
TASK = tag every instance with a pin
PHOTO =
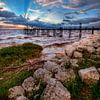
x=59, y=32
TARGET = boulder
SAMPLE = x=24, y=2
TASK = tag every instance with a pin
x=77, y=54
x=89, y=75
x=15, y=92
x=80, y=48
x=67, y=75
x=60, y=55
x=51, y=66
x=42, y=74
x=28, y=85
x=98, y=70
x=98, y=50
x=56, y=91
x=69, y=50
x=22, y=98
x=86, y=42
x=74, y=62
x=90, y=49
x=96, y=45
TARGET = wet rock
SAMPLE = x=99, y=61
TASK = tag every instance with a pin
x=77, y=54
x=51, y=66
x=28, y=85
x=67, y=75
x=56, y=91
x=16, y=92
x=89, y=75
x=69, y=50
x=22, y=98
x=42, y=74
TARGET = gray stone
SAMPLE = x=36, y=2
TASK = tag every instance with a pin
x=74, y=62
x=98, y=70
x=56, y=91
x=67, y=75
x=89, y=75
x=77, y=54
x=42, y=74
x=22, y=98
x=15, y=92
x=98, y=50
x=28, y=84
x=90, y=49
x=51, y=66
x=69, y=50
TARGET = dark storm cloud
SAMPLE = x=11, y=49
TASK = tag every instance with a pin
x=17, y=20
x=10, y=17
x=85, y=20
x=95, y=24
x=98, y=15
x=7, y=14
x=93, y=7
x=75, y=4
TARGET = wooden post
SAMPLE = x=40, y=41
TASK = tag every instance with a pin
x=93, y=30
x=70, y=32
x=54, y=32
x=80, y=28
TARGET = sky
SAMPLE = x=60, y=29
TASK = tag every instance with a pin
x=50, y=13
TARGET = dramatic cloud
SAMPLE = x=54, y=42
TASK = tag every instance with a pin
x=35, y=11
x=85, y=20
x=48, y=2
x=7, y=14
x=49, y=12
x=3, y=6
x=92, y=7
x=73, y=4
x=2, y=3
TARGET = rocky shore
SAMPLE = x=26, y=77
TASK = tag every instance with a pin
x=73, y=74
x=66, y=76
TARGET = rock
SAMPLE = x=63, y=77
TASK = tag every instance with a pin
x=98, y=50
x=86, y=42
x=75, y=44
x=1, y=78
x=67, y=75
x=42, y=74
x=51, y=66
x=28, y=85
x=80, y=48
x=56, y=91
x=89, y=75
x=60, y=55
x=22, y=98
x=15, y=92
x=98, y=70
x=69, y=50
x=74, y=62
x=77, y=54
x=96, y=45
x=90, y=49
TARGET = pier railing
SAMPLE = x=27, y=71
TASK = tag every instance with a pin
x=58, y=32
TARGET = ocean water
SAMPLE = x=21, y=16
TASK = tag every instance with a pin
x=50, y=44
x=18, y=37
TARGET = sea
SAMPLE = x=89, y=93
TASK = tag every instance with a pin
x=51, y=45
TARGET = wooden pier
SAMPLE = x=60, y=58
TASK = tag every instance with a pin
x=58, y=32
